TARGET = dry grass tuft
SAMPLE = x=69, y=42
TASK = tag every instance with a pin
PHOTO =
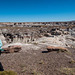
x=8, y=73
x=41, y=62
x=68, y=71
x=35, y=72
x=72, y=61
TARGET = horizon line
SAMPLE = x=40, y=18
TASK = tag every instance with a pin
x=41, y=21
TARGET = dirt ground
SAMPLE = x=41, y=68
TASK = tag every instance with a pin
x=37, y=62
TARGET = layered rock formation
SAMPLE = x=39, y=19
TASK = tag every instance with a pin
x=33, y=33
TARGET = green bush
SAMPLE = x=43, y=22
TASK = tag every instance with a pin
x=8, y=73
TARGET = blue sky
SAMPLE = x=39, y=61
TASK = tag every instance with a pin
x=37, y=10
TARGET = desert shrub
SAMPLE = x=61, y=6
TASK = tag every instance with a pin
x=72, y=61
x=34, y=72
x=8, y=73
x=35, y=43
x=68, y=71
x=41, y=62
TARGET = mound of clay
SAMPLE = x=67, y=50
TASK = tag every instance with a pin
x=11, y=49
x=52, y=48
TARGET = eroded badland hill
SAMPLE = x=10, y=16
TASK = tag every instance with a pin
x=38, y=48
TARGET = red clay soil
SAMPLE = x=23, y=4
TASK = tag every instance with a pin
x=37, y=62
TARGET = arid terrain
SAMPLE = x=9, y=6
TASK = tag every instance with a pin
x=34, y=57
x=38, y=62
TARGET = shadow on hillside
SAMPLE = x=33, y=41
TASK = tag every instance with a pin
x=44, y=51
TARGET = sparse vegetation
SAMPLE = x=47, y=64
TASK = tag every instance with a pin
x=65, y=51
x=41, y=62
x=23, y=70
x=68, y=52
x=35, y=43
x=35, y=72
x=72, y=61
x=8, y=73
x=68, y=71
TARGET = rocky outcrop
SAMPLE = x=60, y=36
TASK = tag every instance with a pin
x=11, y=49
x=53, y=48
x=56, y=31
x=53, y=35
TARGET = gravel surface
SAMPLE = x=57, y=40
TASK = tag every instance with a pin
x=38, y=61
